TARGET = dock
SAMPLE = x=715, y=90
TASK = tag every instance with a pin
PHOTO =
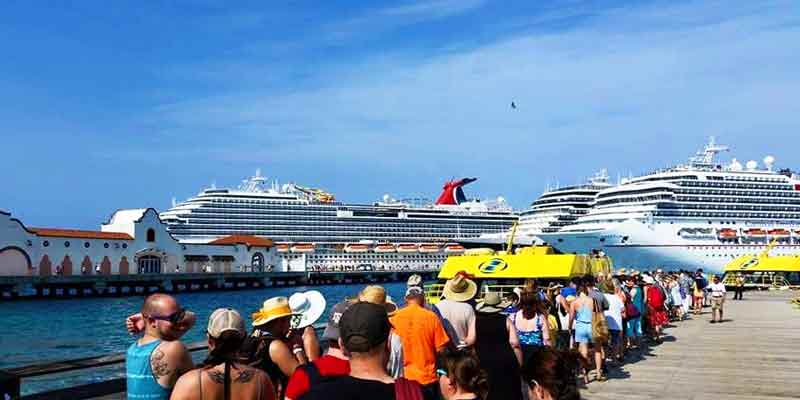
x=753, y=354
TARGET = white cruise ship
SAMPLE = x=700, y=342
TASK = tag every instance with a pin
x=697, y=215
x=312, y=227
x=562, y=206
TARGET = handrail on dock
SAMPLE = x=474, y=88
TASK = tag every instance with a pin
x=11, y=378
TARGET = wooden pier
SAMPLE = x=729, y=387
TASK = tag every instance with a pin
x=753, y=354
x=14, y=287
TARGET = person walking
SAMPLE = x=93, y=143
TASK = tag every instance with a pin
x=580, y=322
x=458, y=317
x=738, y=287
x=656, y=312
x=498, y=348
x=155, y=362
x=422, y=335
x=531, y=323
x=222, y=376
x=633, y=313
x=717, y=291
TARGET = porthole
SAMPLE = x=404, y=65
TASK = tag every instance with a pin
x=124, y=245
x=66, y=244
x=86, y=245
x=45, y=243
x=105, y=245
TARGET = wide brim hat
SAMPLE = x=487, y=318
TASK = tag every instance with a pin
x=272, y=309
x=491, y=303
x=648, y=279
x=460, y=289
x=307, y=308
x=376, y=294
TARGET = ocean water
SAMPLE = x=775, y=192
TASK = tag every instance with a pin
x=38, y=331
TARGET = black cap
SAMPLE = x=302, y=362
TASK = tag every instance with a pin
x=332, y=329
x=363, y=326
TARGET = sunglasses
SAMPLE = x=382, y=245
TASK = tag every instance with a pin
x=174, y=318
x=440, y=372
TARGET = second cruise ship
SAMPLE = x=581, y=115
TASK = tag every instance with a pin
x=697, y=215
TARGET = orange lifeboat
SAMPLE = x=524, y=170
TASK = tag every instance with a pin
x=385, y=248
x=727, y=233
x=282, y=247
x=454, y=248
x=755, y=232
x=303, y=248
x=778, y=232
x=356, y=248
x=407, y=248
x=429, y=248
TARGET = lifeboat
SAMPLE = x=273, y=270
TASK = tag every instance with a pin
x=303, y=248
x=282, y=247
x=429, y=248
x=385, y=248
x=356, y=248
x=727, y=233
x=454, y=248
x=407, y=248
x=778, y=232
x=757, y=232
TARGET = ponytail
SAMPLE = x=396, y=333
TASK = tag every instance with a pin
x=226, y=347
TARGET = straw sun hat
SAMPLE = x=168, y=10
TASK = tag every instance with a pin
x=459, y=288
x=307, y=308
x=491, y=303
x=272, y=309
x=377, y=295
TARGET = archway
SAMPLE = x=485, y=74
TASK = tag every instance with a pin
x=124, y=266
x=14, y=262
x=105, y=266
x=257, y=262
x=66, y=266
x=86, y=266
x=149, y=265
x=45, y=266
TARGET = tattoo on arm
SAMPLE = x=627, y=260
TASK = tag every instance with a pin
x=159, y=365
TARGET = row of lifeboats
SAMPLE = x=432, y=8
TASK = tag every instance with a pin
x=728, y=233
x=453, y=248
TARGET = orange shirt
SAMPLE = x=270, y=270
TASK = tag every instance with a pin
x=422, y=334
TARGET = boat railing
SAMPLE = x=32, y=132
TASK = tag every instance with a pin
x=11, y=379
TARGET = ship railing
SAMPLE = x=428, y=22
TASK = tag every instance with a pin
x=11, y=379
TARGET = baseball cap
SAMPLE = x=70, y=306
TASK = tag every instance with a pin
x=414, y=280
x=414, y=291
x=332, y=331
x=224, y=320
x=363, y=326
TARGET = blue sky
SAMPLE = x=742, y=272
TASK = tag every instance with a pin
x=127, y=104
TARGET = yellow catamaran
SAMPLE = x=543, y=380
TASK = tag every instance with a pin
x=762, y=271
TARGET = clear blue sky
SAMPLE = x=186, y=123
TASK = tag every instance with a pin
x=107, y=105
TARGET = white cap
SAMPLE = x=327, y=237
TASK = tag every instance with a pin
x=223, y=320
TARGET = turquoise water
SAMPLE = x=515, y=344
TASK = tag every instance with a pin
x=37, y=331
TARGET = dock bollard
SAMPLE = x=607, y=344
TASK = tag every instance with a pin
x=9, y=386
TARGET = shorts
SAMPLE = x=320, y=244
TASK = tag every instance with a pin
x=634, y=327
x=583, y=332
x=716, y=303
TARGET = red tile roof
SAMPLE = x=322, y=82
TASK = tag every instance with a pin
x=75, y=233
x=244, y=239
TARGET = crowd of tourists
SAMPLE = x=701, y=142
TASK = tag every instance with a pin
x=529, y=343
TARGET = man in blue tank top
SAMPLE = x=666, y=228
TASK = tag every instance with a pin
x=154, y=362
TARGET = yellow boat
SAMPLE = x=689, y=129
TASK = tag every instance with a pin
x=762, y=271
x=501, y=271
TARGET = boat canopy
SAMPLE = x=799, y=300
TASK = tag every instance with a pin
x=539, y=262
x=763, y=263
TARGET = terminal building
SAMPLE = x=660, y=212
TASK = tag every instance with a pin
x=131, y=242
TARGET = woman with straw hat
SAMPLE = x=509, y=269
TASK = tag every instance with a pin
x=497, y=347
x=268, y=348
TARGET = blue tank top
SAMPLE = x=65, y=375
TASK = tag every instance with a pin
x=141, y=382
x=530, y=338
x=584, y=315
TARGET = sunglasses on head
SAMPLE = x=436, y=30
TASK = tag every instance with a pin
x=440, y=372
x=174, y=318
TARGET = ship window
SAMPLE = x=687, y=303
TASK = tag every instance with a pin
x=66, y=244
x=45, y=243
x=86, y=245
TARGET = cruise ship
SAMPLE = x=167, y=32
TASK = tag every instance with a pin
x=311, y=226
x=701, y=214
x=561, y=206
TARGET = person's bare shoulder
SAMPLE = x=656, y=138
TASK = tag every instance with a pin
x=167, y=357
x=184, y=388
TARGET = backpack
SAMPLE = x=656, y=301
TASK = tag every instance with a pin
x=405, y=389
